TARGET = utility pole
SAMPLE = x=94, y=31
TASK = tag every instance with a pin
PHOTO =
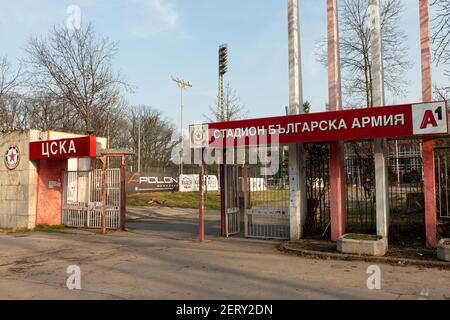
x=297, y=167
x=139, y=141
x=183, y=85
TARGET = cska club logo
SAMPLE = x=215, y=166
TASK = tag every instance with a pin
x=12, y=158
x=199, y=136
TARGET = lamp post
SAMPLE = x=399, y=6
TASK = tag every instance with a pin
x=182, y=84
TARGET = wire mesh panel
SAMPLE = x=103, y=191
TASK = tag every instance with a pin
x=318, y=220
x=407, y=200
x=361, y=204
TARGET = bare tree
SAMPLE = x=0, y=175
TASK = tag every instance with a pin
x=235, y=109
x=10, y=99
x=156, y=137
x=355, y=45
x=76, y=67
x=45, y=111
x=441, y=31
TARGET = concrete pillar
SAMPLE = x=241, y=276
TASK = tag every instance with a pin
x=380, y=145
x=337, y=156
x=428, y=144
x=297, y=174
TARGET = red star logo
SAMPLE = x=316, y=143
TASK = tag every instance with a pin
x=12, y=156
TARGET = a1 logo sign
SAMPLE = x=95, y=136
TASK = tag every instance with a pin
x=430, y=118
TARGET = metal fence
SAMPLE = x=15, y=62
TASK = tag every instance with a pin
x=83, y=199
x=232, y=208
x=406, y=197
x=318, y=191
x=361, y=206
x=267, y=204
x=443, y=182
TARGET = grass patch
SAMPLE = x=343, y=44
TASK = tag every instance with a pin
x=364, y=237
x=42, y=228
x=46, y=228
x=15, y=230
x=188, y=200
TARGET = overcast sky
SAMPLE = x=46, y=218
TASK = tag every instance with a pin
x=159, y=38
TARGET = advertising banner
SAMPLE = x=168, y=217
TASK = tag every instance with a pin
x=150, y=182
x=190, y=183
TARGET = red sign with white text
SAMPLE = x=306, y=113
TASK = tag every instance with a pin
x=358, y=124
x=84, y=147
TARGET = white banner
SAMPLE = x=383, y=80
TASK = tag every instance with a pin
x=258, y=184
x=190, y=183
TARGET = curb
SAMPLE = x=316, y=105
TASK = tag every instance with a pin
x=286, y=247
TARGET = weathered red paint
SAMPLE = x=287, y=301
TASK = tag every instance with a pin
x=430, y=192
x=201, y=183
x=338, y=201
x=83, y=147
x=48, y=211
x=428, y=143
x=123, y=196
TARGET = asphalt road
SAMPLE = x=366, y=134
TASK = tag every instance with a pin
x=160, y=258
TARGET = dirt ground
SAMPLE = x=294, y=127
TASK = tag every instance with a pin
x=159, y=257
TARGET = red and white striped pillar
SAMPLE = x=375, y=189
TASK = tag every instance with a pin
x=428, y=143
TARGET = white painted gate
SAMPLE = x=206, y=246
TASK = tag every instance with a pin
x=83, y=199
x=232, y=210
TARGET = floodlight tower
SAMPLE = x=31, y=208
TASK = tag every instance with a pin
x=222, y=112
x=183, y=85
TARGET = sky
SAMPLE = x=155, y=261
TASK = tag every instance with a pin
x=160, y=38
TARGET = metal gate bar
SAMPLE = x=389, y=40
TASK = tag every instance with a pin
x=267, y=211
x=232, y=210
x=84, y=210
x=442, y=179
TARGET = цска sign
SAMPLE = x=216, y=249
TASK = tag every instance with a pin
x=407, y=120
x=84, y=147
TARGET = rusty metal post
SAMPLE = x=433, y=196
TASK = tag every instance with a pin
x=123, y=194
x=104, y=195
x=201, y=185
x=222, y=196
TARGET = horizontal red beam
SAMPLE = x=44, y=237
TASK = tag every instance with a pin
x=84, y=147
x=422, y=119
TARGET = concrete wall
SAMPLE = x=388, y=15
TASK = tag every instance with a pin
x=18, y=186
